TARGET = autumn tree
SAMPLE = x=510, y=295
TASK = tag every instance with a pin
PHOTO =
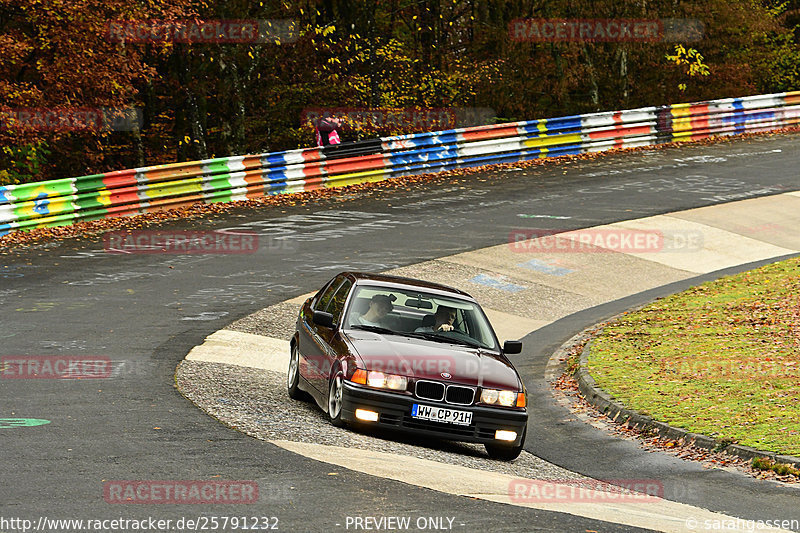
x=58, y=55
x=212, y=98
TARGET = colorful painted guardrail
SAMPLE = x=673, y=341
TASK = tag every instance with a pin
x=142, y=190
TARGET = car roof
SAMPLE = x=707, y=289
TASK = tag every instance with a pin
x=386, y=280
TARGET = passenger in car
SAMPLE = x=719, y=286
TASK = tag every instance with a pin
x=442, y=320
x=379, y=306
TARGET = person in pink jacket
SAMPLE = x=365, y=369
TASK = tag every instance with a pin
x=326, y=130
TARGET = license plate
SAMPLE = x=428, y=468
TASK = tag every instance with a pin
x=441, y=414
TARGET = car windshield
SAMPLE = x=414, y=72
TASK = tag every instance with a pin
x=416, y=313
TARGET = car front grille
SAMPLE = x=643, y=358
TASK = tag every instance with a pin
x=459, y=395
x=452, y=394
x=429, y=390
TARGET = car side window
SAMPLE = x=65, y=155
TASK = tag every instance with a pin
x=327, y=294
x=336, y=304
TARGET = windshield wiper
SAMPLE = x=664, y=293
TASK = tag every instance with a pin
x=420, y=335
x=376, y=329
x=451, y=340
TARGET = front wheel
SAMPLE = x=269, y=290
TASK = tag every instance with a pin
x=335, y=394
x=293, y=376
x=505, y=453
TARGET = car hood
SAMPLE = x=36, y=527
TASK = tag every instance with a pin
x=424, y=359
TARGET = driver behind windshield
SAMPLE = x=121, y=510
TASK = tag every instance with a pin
x=442, y=320
x=379, y=306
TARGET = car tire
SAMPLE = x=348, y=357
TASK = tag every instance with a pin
x=293, y=376
x=505, y=453
x=335, y=392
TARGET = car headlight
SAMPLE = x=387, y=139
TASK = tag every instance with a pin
x=376, y=379
x=381, y=380
x=395, y=382
x=489, y=396
x=506, y=398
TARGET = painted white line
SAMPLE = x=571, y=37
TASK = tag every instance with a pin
x=698, y=248
x=243, y=349
x=771, y=219
x=651, y=513
x=512, y=327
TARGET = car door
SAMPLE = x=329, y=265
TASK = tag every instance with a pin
x=329, y=345
x=309, y=342
x=316, y=354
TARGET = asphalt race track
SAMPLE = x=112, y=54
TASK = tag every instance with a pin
x=146, y=311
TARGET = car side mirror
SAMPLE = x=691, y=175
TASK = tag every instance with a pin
x=512, y=347
x=321, y=318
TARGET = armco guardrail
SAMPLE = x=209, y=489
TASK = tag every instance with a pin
x=141, y=190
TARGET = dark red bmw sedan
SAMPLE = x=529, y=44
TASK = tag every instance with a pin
x=409, y=355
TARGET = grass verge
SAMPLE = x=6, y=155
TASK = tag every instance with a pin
x=721, y=359
x=764, y=463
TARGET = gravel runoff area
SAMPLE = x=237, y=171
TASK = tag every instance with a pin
x=277, y=321
x=255, y=402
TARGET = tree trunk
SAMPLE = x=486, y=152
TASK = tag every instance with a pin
x=594, y=92
x=236, y=122
x=623, y=74
x=197, y=148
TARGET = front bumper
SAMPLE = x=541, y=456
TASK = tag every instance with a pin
x=395, y=413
